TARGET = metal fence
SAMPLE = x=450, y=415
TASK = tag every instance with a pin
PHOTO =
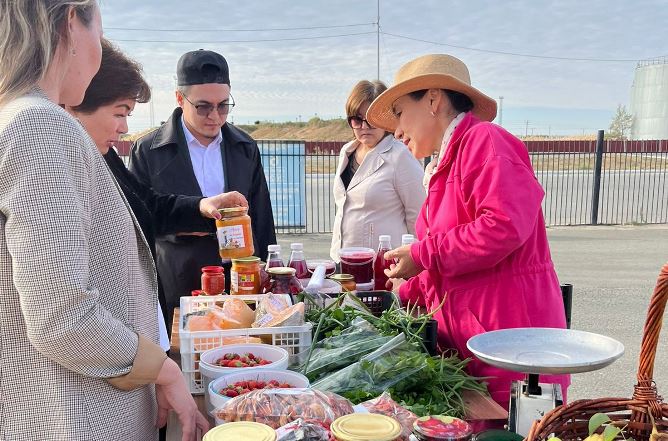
x=585, y=182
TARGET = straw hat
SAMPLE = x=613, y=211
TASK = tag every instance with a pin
x=429, y=72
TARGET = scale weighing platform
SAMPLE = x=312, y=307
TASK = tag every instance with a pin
x=535, y=351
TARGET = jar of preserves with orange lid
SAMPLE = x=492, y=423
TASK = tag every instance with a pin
x=245, y=277
x=213, y=280
x=235, y=237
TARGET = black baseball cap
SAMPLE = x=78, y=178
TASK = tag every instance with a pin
x=202, y=67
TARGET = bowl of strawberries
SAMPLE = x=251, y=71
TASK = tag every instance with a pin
x=233, y=385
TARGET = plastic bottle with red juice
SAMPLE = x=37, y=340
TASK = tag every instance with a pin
x=298, y=262
x=381, y=264
x=274, y=259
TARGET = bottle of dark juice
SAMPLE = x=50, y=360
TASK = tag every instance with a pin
x=298, y=262
x=381, y=264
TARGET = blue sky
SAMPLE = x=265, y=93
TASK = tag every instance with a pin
x=292, y=79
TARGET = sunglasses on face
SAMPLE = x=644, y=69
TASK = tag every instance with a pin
x=205, y=109
x=355, y=122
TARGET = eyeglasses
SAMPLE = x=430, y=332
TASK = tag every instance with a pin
x=205, y=109
x=355, y=122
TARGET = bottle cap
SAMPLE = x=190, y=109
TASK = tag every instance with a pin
x=384, y=237
x=274, y=248
x=297, y=246
x=407, y=239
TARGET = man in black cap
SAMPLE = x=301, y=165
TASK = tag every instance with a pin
x=197, y=153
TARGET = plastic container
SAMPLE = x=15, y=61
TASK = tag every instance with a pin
x=358, y=261
x=210, y=371
x=347, y=281
x=294, y=339
x=213, y=280
x=294, y=379
x=365, y=286
x=235, y=236
x=274, y=259
x=241, y=430
x=380, y=264
x=245, y=276
x=330, y=266
x=365, y=427
x=376, y=301
x=298, y=261
x=441, y=428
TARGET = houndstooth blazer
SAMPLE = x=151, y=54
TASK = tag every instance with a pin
x=77, y=284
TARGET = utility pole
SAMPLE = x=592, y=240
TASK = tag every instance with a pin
x=526, y=128
x=378, y=40
x=152, y=112
x=501, y=111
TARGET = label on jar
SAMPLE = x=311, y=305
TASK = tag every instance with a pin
x=243, y=282
x=231, y=237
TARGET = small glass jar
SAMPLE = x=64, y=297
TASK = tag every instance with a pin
x=441, y=428
x=347, y=281
x=213, y=280
x=245, y=277
x=235, y=236
x=365, y=427
x=283, y=281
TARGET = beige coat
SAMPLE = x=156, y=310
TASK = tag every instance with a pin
x=384, y=196
x=78, y=290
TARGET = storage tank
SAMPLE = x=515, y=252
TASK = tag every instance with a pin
x=649, y=100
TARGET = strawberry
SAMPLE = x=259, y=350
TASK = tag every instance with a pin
x=263, y=362
x=231, y=393
x=285, y=385
x=251, y=356
x=252, y=385
x=235, y=364
x=244, y=391
x=261, y=384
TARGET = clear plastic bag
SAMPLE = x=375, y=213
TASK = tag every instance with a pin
x=394, y=364
x=277, y=407
x=336, y=352
x=385, y=405
x=303, y=430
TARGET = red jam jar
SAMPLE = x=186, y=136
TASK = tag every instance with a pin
x=213, y=280
x=358, y=261
x=441, y=428
x=284, y=281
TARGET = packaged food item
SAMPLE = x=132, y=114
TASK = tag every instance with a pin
x=245, y=276
x=365, y=427
x=385, y=405
x=248, y=431
x=347, y=281
x=298, y=261
x=235, y=236
x=380, y=264
x=271, y=304
x=235, y=314
x=284, y=281
x=303, y=430
x=213, y=280
x=441, y=428
x=277, y=407
x=290, y=316
x=358, y=261
x=274, y=259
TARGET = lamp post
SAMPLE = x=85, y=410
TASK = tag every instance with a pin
x=501, y=111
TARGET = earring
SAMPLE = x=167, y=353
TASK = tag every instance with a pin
x=433, y=113
x=73, y=52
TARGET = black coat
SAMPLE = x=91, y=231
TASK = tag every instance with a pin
x=156, y=213
x=161, y=160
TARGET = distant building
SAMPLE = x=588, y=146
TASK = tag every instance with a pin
x=649, y=100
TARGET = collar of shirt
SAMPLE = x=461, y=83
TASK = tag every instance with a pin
x=433, y=165
x=193, y=142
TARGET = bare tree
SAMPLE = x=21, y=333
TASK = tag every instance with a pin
x=621, y=124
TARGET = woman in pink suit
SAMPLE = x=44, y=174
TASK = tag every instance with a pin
x=481, y=234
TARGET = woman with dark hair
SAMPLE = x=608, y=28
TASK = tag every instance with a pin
x=482, y=241
x=80, y=358
x=107, y=104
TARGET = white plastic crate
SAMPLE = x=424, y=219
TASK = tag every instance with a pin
x=294, y=339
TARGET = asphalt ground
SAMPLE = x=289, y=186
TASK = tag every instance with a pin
x=613, y=270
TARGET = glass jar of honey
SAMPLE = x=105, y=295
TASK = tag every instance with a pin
x=235, y=237
x=245, y=276
x=347, y=281
x=213, y=280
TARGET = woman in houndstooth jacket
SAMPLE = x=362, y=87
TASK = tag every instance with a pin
x=79, y=358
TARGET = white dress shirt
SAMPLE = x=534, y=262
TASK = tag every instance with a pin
x=207, y=163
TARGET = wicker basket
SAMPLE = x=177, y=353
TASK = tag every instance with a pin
x=571, y=421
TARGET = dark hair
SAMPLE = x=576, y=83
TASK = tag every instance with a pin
x=460, y=102
x=119, y=78
x=363, y=92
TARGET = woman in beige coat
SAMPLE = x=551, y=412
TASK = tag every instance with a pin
x=79, y=358
x=378, y=185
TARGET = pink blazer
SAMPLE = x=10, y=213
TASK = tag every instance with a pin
x=482, y=242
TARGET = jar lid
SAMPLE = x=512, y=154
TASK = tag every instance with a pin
x=246, y=430
x=233, y=210
x=342, y=277
x=365, y=427
x=296, y=246
x=281, y=271
x=360, y=252
x=440, y=427
x=242, y=260
x=327, y=263
x=213, y=269
x=273, y=247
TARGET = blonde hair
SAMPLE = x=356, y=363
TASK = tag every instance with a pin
x=30, y=32
x=363, y=92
